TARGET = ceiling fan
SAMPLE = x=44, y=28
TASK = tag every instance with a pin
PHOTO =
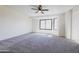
x=39, y=8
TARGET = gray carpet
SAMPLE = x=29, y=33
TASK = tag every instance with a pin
x=38, y=43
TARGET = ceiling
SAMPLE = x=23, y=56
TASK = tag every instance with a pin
x=53, y=9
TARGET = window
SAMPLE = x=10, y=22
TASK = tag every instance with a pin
x=45, y=24
x=42, y=24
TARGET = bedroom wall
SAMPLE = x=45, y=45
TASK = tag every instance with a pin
x=75, y=24
x=68, y=24
x=36, y=25
x=71, y=24
x=13, y=23
x=60, y=25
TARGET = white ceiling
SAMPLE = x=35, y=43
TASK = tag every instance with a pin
x=53, y=9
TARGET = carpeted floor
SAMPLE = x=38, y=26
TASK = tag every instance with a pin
x=38, y=43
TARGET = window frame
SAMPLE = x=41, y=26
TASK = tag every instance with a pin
x=45, y=24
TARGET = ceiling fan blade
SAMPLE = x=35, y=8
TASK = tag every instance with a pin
x=42, y=12
x=34, y=9
x=37, y=11
x=44, y=9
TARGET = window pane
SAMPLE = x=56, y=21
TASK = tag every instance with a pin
x=48, y=24
x=42, y=24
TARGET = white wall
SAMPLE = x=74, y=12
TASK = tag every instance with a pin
x=72, y=24
x=61, y=25
x=36, y=25
x=68, y=24
x=75, y=24
x=13, y=23
x=59, y=31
